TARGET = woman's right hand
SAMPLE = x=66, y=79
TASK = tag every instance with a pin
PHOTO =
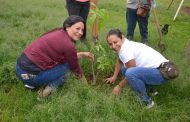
x=111, y=80
x=87, y=55
x=83, y=78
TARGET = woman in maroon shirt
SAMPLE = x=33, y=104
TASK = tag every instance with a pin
x=47, y=60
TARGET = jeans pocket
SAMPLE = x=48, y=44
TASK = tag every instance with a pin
x=26, y=77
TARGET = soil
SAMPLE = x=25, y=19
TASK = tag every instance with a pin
x=99, y=80
x=186, y=10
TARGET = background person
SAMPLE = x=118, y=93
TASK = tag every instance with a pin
x=47, y=60
x=78, y=7
x=132, y=18
x=140, y=65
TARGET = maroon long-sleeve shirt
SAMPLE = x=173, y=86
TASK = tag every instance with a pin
x=53, y=48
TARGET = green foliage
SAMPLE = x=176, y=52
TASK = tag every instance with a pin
x=98, y=47
x=101, y=14
x=104, y=63
x=7, y=73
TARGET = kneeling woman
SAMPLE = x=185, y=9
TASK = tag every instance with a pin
x=47, y=60
x=140, y=65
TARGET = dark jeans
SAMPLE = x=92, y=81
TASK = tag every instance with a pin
x=132, y=18
x=53, y=77
x=78, y=8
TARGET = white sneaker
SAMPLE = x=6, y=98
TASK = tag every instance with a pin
x=45, y=92
x=29, y=87
x=150, y=105
x=155, y=93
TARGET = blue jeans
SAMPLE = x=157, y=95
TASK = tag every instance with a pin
x=53, y=77
x=132, y=18
x=139, y=78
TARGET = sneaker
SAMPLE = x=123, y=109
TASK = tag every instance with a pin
x=155, y=93
x=29, y=87
x=150, y=104
x=130, y=37
x=45, y=92
x=145, y=42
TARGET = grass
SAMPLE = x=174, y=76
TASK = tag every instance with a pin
x=23, y=21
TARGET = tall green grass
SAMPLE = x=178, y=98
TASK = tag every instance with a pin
x=22, y=21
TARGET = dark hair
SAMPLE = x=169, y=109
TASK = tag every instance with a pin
x=116, y=32
x=73, y=19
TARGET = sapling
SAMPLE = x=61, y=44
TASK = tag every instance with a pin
x=102, y=16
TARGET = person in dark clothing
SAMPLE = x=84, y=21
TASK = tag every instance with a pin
x=78, y=7
x=47, y=60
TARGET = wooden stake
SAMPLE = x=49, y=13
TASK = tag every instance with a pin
x=95, y=25
x=160, y=44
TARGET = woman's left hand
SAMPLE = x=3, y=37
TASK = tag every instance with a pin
x=83, y=78
x=116, y=90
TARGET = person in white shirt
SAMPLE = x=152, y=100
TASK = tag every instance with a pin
x=140, y=65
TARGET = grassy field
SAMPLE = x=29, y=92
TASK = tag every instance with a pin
x=22, y=21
